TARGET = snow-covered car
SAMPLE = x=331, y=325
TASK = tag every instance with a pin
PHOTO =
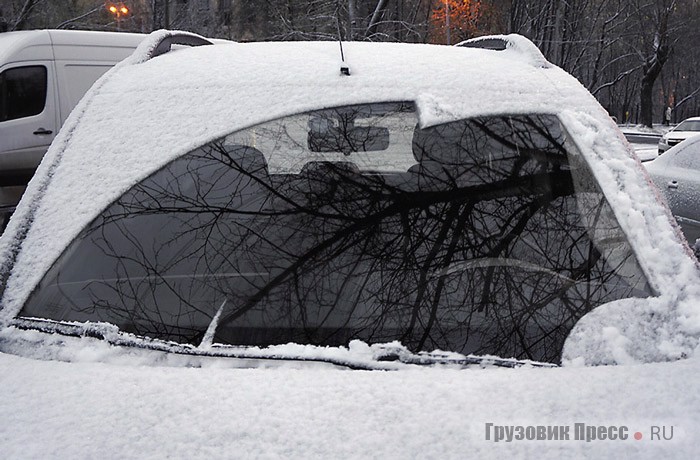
x=686, y=129
x=412, y=207
x=677, y=175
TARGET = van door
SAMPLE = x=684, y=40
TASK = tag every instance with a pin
x=28, y=116
x=74, y=79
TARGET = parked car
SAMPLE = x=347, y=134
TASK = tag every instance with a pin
x=43, y=75
x=677, y=175
x=416, y=208
x=684, y=130
x=264, y=216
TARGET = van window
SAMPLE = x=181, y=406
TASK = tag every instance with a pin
x=82, y=77
x=22, y=92
x=486, y=235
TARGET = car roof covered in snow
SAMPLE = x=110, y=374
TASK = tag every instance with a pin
x=148, y=111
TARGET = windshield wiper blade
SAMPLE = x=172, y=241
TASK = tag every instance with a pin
x=403, y=355
x=389, y=356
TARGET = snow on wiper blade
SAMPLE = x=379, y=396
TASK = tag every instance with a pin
x=357, y=355
x=403, y=355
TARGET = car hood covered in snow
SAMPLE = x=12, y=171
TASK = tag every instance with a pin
x=88, y=410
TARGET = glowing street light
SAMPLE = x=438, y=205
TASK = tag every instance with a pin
x=118, y=11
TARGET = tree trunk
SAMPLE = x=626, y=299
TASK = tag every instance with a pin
x=376, y=18
x=352, y=18
x=653, y=67
x=646, y=101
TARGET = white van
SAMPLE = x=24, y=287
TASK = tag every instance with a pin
x=43, y=75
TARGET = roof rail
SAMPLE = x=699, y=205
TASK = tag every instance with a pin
x=489, y=43
x=161, y=42
x=520, y=46
x=177, y=38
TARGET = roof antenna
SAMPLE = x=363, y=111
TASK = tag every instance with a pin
x=344, y=69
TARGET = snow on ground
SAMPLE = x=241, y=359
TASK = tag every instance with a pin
x=86, y=410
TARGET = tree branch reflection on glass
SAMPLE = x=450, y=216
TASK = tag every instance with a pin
x=485, y=236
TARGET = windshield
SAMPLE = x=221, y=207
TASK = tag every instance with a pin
x=480, y=236
x=688, y=125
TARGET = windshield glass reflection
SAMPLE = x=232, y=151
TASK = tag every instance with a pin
x=485, y=236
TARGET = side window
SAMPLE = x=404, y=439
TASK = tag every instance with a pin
x=22, y=92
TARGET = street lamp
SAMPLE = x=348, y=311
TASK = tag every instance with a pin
x=118, y=11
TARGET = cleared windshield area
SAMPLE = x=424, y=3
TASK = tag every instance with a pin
x=485, y=236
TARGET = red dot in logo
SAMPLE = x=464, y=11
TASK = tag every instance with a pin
x=638, y=436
